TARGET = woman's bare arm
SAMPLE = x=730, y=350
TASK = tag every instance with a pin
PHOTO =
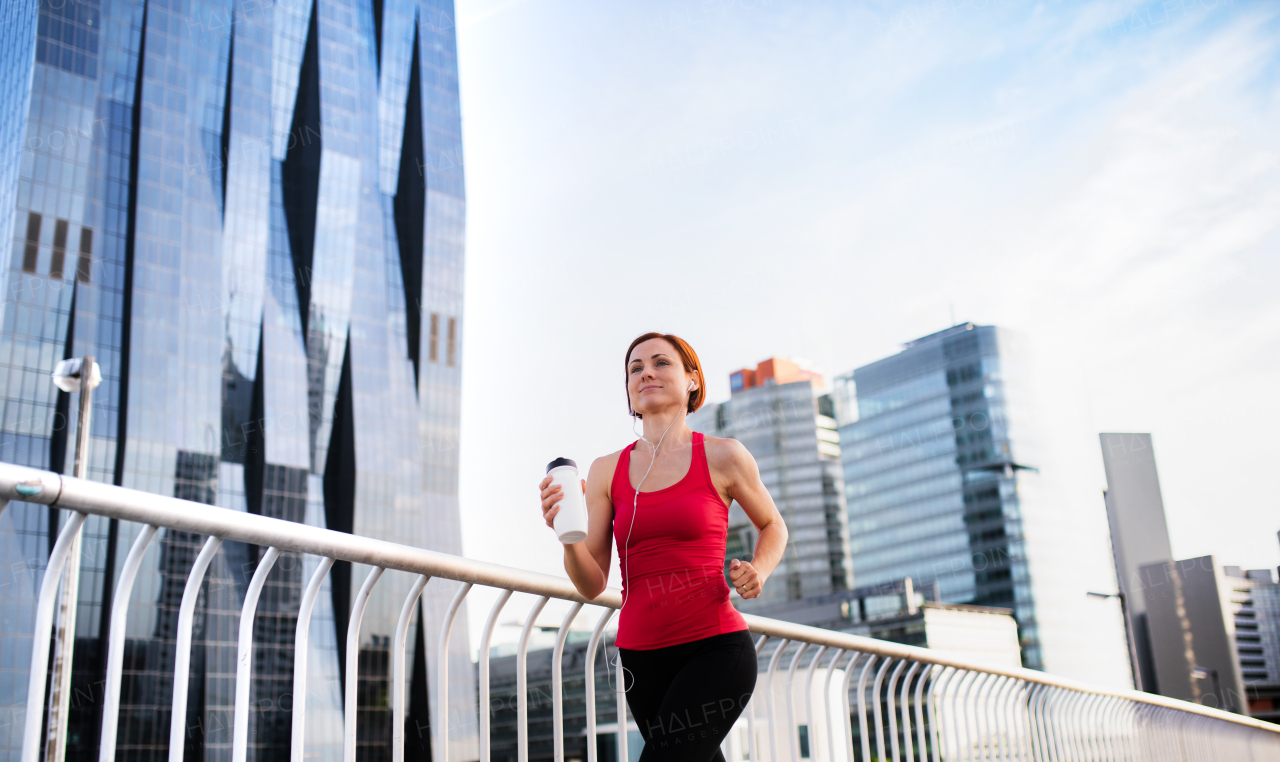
x=587, y=563
x=738, y=476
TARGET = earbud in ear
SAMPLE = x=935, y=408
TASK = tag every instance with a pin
x=690, y=386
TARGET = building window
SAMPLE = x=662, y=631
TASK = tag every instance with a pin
x=453, y=343
x=67, y=35
x=32, y=249
x=59, y=249
x=433, y=348
x=86, y=255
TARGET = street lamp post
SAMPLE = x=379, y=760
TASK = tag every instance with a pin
x=1201, y=673
x=1128, y=634
x=74, y=375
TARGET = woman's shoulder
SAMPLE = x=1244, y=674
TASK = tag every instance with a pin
x=725, y=454
x=605, y=465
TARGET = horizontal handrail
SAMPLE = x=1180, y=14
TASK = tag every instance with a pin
x=200, y=518
x=88, y=497
x=775, y=628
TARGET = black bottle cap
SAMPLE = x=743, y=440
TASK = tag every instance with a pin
x=558, y=462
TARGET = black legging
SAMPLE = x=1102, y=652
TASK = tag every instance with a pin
x=685, y=698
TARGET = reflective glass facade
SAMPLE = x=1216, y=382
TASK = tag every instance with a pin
x=791, y=434
x=252, y=215
x=946, y=482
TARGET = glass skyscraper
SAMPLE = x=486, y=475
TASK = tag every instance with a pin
x=946, y=481
x=252, y=215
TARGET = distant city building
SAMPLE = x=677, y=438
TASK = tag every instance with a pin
x=1139, y=534
x=946, y=482
x=778, y=413
x=902, y=613
x=844, y=609
x=1263, y=694
x=1215, y=634
x=984, y=635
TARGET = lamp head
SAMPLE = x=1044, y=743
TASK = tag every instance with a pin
x=67, y=376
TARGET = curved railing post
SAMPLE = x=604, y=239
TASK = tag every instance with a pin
x=182, y=648
x=826, y=704
x=937, y=687
x=960, y=704
x=973, y=719
x=1018, y=749
x=792, y=733
x=892, y=711
x=485, y=708
x=1134, y=731
x=875, y=707
x=808, y=697
x=998, y=716
x=398, y=667
x=1094, y=723
x=1022, y=720
x=1113, y=712
x=352, y=667
x=301, y=643
x=1070, y=726
x=768, y=699
x=1053, y=748
x=1058, y=718
x=926, y=675
x=904, y=709
x=846, y=713
x=557, y=684
x=1076, y=707
x=244, y=657
x=41, y=632
x=590, y=675
x=442, y=673
x=115, y=642
x=862, y=707
x=522, y=683
x=1143, y=739
x=1044, y=730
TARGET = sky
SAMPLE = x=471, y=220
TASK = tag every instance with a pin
x=830, y=180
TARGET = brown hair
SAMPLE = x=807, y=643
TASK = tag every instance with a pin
x=688, y=358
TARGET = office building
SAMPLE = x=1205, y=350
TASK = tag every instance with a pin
x=1139, y=534
x=901, y=612
x=1263, y=692
x=1215, y=634
x=949, y=481
x=985, y=635
x=779, y=414
x=251, y=214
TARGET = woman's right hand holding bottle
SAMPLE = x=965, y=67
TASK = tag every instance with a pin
x=552, y=494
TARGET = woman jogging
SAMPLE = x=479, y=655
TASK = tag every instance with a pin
x=689, y=663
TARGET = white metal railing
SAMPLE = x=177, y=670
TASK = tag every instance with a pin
x=908, y=704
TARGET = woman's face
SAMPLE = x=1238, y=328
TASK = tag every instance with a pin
x=656, y=379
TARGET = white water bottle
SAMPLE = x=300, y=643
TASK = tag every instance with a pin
x=571, y=522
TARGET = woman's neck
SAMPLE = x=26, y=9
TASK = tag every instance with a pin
x=667, y=427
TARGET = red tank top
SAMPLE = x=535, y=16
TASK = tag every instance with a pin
x=673, y=576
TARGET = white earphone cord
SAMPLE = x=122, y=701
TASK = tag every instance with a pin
x=635, y=505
